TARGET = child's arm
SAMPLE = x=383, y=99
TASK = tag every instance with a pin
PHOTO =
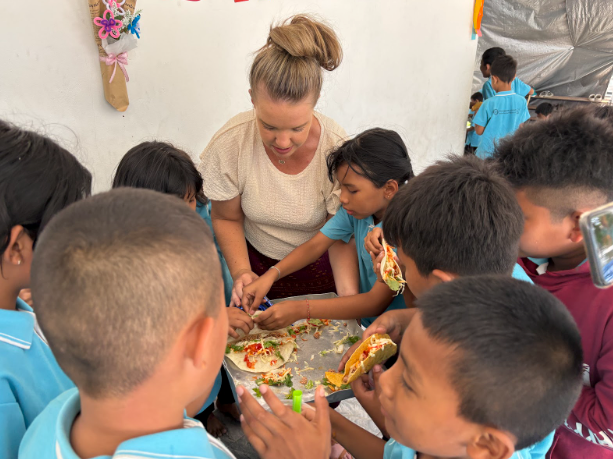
x=359, y=442
x=479, y=129
x=301, y=256
x=359, y=306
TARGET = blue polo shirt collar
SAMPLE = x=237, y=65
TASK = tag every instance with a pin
x=190, y=442
x=17, y=327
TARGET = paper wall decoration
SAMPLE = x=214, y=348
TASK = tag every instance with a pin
x=116, y=27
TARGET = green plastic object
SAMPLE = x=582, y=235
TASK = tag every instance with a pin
x=297, y=395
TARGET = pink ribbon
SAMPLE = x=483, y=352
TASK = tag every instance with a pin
x=119, y=59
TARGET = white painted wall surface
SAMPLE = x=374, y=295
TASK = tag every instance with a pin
x=408, y=66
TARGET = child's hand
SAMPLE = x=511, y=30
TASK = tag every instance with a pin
x=376, y=264
x=365, y=391
x=284, y=433
x=281, y=315
x=394, y=323
x=254, y=293
x=238, y=319
x=372, y=241
x=26, y=295
x=242, y=279
x=348, y=354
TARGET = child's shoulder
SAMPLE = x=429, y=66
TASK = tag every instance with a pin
x=41, y=438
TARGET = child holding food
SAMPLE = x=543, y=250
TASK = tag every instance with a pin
x=370, y=168
x=488, y=368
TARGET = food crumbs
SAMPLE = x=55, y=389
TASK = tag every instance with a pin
x=304, y=380
x=317, y=335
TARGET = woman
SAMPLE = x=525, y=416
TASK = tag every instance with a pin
x=265, y=170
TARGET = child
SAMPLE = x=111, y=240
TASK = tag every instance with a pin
x=488, y=58
x=502, y=114
x=561, y=169
x=370, y=168
x=472, y=139
x=544, y=111
x=488, y=366
x=129, y=292
x=162, y=167
x=38, y=178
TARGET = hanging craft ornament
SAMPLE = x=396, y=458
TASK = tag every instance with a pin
x=116, y=26
x=108, y=25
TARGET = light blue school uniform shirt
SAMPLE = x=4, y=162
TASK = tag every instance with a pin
x=204, y=210
x=501, y=115
x=342, y=226
x=473, y=139
x=517, y=86
x=30, y=377
x=49, y=437
x=519, y=273
x=394, y=450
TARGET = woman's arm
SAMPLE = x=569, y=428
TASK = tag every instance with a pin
x=228, y=218
x=301, y=256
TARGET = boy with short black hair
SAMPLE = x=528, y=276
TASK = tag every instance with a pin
x=487, y=59
x=128, y=289
x=502, y=114
x=561, y=169
x=463, y=219
x=488, y=366
x=544, y=111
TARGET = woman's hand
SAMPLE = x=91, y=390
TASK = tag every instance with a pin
x=238, y=319
x=372, y=241
x=284, y=433
x=281, y=315
x=242, y=278
x=254, y=292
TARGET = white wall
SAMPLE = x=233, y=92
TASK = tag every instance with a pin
x=408, y=66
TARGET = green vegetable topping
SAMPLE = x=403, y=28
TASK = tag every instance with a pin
x=309, y=384
x=271, y=344
x=278, y=354
x=290, y=395
x=257, y=392
x=352, y=339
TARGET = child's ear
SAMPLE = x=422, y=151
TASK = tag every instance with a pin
x=443, y=276
x=575, y=233
x=390, y=189
x=200, y=340
x=18, y=246
x=491, y=444
x=251, y=97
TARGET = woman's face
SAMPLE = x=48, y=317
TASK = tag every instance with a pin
x=284, y=126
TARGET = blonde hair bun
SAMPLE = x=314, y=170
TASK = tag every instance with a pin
x=290, y=64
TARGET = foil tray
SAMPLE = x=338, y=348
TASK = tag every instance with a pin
x=306, y=349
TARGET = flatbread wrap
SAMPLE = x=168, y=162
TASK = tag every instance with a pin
x=376, y=349
x=390, y=271
x=261, y=352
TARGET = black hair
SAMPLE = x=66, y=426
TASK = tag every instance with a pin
x=115, y=279
x=505, y=68
x=544, y=109
x=604, y=112
x=477, y=96
x=518, y=361
x=162, y=167
x=570, y=154
x=459, y=216
x=377, y=154
x=38, y=178
x=490, y=55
